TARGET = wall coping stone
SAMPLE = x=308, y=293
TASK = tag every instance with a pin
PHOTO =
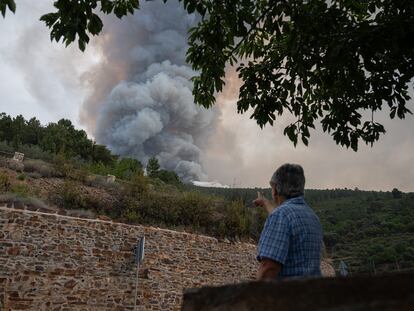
x=388, y=292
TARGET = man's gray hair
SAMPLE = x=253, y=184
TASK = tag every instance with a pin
x=289, y=180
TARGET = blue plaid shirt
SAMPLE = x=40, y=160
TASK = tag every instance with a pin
x=292, y=236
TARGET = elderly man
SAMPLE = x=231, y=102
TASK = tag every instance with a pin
x=291, y=241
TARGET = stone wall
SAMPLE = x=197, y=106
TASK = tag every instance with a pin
x=55, y=262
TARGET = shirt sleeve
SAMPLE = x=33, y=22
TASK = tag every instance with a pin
x=274, y=239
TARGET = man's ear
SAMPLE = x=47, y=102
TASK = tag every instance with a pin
x=274, y=193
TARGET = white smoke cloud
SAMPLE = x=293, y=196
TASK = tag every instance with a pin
x=156, y=116
x=210, y=184
x=38, y=77
x=152, y=111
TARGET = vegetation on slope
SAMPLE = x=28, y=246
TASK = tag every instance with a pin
x=371, y=231
x=61, y=144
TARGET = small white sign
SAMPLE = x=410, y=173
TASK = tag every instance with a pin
x=18, y=157
x=110, y=178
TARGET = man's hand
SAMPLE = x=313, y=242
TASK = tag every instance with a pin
x=268, y=270
x=264, y=202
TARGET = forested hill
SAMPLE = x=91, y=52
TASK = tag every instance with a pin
x=62, y=142
x=51, y=139
x=370, y=231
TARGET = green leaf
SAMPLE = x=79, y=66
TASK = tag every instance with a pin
x=95, y=25
x=3, y=9
x=50, y=19
x=81, y=45
x=119, y=11
x=392, y=113
x=191, y=8
x=12, y=5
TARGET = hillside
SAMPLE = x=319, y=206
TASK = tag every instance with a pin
x=140, y=199
x=370, y=231
x=63, y=169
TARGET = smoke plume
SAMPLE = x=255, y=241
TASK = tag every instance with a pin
x=151, y=112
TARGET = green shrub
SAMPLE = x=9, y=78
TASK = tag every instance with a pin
x=61, y=165
x=132, y=216
x=195, y=209
x=101, y=182
x=396, y=194
x=101, y=207
x=69, y=196
x=14, y=165
x=20, y=189
x=258, y=216
x=4, y=182
x=99, y=169
x=236, y=219
x=185, y=210
x=35, y=202
x=3, y=161
x=153, y=167
x=126, y=168
x=168, y=177
x=79, y=174
x=35, y=152
x=147, y=208
x=21, y=177
x=192, y=211
x=32, y=201
x=137, y=187
x=34, y=175
x=5, y=147
x=40, y=167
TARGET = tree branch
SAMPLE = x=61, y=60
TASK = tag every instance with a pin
x=254, y=27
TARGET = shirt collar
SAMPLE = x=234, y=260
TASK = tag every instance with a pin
x=295, y=200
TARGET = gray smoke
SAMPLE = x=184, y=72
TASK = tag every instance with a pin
x=152, y=111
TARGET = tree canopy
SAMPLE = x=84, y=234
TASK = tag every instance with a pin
x=335, y=62
x=154, y=171
x=60, y=137
x=153, y=167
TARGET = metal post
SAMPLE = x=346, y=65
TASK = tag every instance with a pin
x=139, y=257
x=136, y=288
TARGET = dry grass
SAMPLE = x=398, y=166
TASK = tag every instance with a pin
x=40, y=167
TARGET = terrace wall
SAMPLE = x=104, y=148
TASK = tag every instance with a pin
x=55, y=262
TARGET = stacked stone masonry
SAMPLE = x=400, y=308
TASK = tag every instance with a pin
x=61, y=263
x=54, y=262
